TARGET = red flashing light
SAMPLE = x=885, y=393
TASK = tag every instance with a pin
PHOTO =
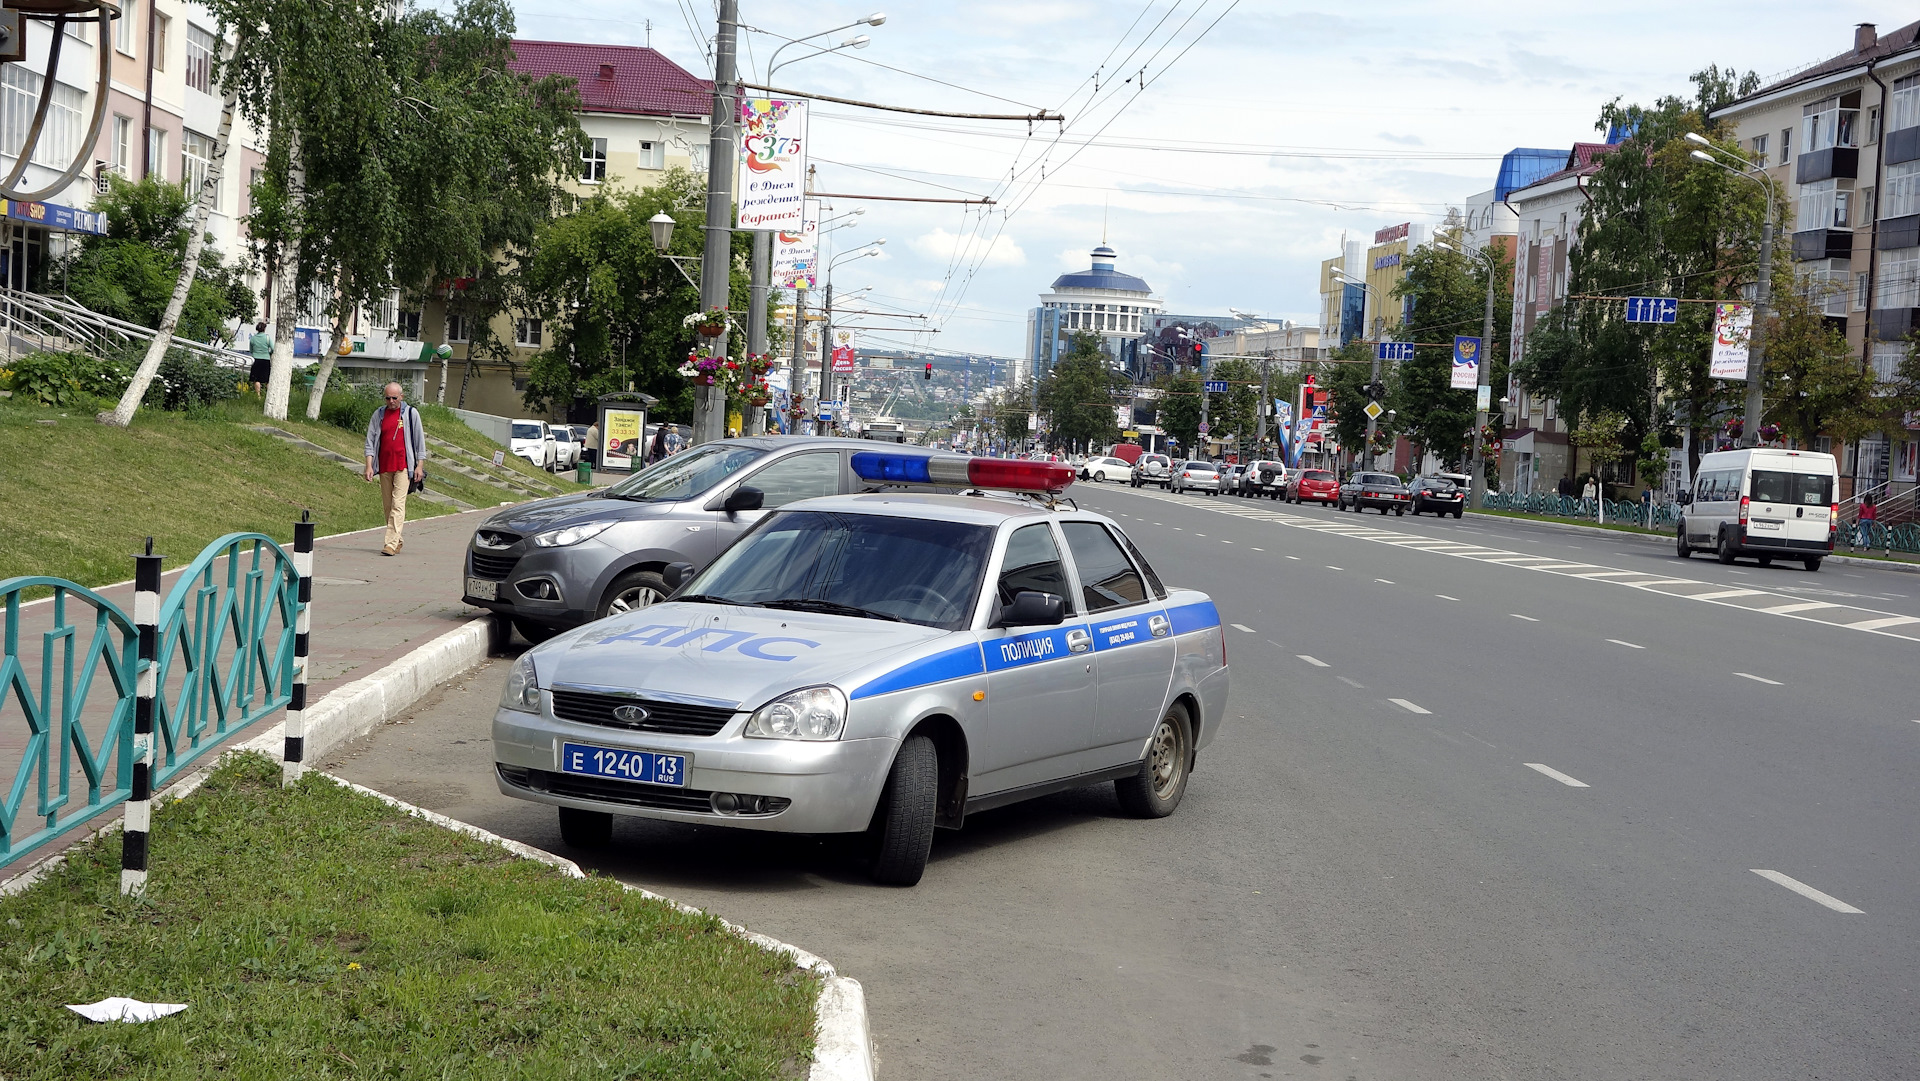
x=1015, y=475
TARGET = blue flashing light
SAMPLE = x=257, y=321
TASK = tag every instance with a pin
x=892, y=468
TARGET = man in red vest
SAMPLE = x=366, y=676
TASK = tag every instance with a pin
x=396, y=449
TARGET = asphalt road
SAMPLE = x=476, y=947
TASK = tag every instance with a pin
x=1491, y=804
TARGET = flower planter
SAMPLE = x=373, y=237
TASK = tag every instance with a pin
x=758, y=400
x=713, y=330
x=704, y=379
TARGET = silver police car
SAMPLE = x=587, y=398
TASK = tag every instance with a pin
x=884, y=663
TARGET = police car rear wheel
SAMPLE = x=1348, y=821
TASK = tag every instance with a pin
x=902, y=830
x=633, y=591
x=585, y=829
x=1156, y=790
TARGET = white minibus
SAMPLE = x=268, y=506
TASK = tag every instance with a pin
x=1762, y=502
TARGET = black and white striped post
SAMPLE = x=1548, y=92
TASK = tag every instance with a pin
x=139, y=816
x=296, y=745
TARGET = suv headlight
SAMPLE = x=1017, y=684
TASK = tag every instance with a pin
x=573, y=534
x=811, y=713
x=522, y=692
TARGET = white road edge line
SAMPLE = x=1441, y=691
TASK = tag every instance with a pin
x=1383, y=581
x=1517, y=615
x=1409, y=706
x=1629, y=645
x=1244, y=627
x=1807, y=891
x=1557, y=775
x=1760, y=679
x=1318, y=663
x=1444, y=597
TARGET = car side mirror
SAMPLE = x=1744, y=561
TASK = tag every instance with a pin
x=1031, y=608
x=744, y=498
x=1686, y=499
x=676, y=575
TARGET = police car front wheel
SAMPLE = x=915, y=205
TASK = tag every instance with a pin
x=902, y=830
x=1156, y=790
x=585, y=829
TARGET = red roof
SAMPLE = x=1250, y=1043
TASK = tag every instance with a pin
x=619, y=78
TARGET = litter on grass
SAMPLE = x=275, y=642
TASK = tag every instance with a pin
x=130, y=1010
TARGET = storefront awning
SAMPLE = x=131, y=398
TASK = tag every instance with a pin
x=54, y=216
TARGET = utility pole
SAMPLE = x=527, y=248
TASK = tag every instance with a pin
x=1366, y=453
x=754, y=420
x=710, y=409
x=797, y=381
x=1483, y=393
x=1756, y=339
x=826, y=361
x=1260, y=429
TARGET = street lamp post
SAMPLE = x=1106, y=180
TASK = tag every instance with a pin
x=1482, y=392
x=1763, y=291
x=1341, y=275
x=859, y=42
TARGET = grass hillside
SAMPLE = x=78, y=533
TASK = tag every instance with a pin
x=78, y=498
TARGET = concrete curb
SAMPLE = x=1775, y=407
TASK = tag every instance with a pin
x=352, y=710
x=1665, y=542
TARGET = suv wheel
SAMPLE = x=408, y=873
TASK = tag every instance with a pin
x=632, y=591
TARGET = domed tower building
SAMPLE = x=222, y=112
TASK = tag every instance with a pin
x=1099, y=300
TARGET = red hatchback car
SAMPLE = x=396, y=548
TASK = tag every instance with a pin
x=1313, y=485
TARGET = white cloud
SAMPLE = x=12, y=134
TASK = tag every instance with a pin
x=942, y=245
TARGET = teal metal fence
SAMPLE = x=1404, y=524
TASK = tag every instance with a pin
x=1872, y=536
x=1621, y=511
x=223, y=658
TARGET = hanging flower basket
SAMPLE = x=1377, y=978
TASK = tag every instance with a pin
x=758, y=400
x=703, y=379
x=711, y=323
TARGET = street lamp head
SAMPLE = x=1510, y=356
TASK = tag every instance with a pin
x=1698, y=139
x=1701, y=155
x=875, y=19
x=858, y=42
x=662, y=226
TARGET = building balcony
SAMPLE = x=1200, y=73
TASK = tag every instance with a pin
x=1835, y=161
x=1822, y=244
x=1894, y=324
x=1901, y=232
x=1899, y=146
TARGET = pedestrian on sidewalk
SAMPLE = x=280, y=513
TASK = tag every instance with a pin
x=659, y=448
x=396, y=449
x=592, y=446
x=1592, y=489
x=261, y=346
x=1869, y=508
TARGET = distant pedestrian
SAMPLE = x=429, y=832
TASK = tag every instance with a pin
x=1592, y=489
x=396, y=450
x=673, y=441
x=1869, y=508
x=658, y=448
x=592, y=447
x=261, y=346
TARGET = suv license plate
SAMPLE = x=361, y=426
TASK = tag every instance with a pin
x=646, y=767
x=483, y=589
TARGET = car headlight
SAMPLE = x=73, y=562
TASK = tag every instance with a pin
x=573, y=534
x=522, y=692
x=811, y=713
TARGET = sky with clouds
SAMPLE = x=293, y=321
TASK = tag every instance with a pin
x=1222, y=148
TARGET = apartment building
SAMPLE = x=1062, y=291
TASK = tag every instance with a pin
x=1842, y=138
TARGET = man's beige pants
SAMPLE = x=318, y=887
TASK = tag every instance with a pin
x=393, y=497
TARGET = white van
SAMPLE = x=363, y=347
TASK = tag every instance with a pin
x=1762, y=502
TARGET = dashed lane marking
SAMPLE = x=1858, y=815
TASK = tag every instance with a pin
x=1557, y=775
x=1444, y=597
x=1318, y=663
x=1807, y=891
x=1517, y=615
x=1629, y=645
x=1760, y=679
x=1244, y=627
x=1409, y=706
x=1383, y=581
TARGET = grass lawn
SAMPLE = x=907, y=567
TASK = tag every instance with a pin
x=1522, y=516
x=315, y=932
x=81, y=497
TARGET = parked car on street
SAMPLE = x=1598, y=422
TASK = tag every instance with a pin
x=566, y=447
x=534, y=441
x=1105, y=469
x=877, y=664
x=1230, y=475
x=1153, y=469
x=1196, y=476
x=1313, y=486
x=1437, y=494
x=1762, y=502
x=1264, y=478
x=1374, y=491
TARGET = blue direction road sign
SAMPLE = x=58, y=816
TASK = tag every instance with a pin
x=1216, y=386
x=1652, y=309
x=1394, y=351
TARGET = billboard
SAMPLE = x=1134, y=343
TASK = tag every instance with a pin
x=1466, y=363
x=773, y=163
x=796, y=253
x=1732, y=327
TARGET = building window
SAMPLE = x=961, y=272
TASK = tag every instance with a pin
x=593, y=161
x=1903, y=190
x=1786, y=146
x=1824, y=284
x=157, y=152
x=196, y=159
x=1860, y=287
x=1873, y=125
x=201, y=47
x=1886, y=360
x=1760, y=151
x=1825, y=125
x=59, y=136
x=526, y=332
x=456, y=327
x=406, y=326
x=1823, y=205
x=1863, y=202
x=1899, y=272
x=161, y=24
x=123, y=35
x=1904, y=112
x=120, y=149
x=653, y=154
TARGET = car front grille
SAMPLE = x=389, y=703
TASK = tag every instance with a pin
x=675, y=718
x=493, y=567
x=632, y=794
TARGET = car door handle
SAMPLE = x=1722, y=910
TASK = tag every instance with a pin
x=1159, y=626
x=1079, y=641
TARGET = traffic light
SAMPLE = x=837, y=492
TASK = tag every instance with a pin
x=1376, y=391
x=929, y=374
x=1199, y=355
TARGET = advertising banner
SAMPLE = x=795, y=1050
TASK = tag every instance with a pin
x=773, y=164
x=796, y=253
x=1466, y=363
x=843, y=355
x=620, y=435
x=1732, y=326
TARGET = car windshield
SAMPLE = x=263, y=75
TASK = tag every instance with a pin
x=908, y=569
x=683, y=476
x=525, y=431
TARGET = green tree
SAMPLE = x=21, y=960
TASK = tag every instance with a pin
x=130, y=272
x=1077, y=396
x=1815, y=385
x=1347, y=374
x=1179, y=411
x=1237, y=411
x=1449, y=294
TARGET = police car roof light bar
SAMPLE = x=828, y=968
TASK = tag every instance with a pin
x=952, y=470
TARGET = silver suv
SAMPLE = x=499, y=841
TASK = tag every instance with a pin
x=1152, y=469
x=557, y=563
